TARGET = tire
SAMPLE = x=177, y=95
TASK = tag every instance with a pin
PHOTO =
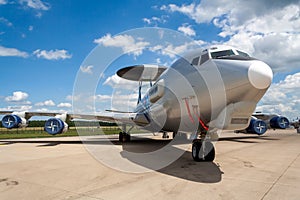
x=127, y=137
x=124, y=137
x=121, y=137
x=197, y=151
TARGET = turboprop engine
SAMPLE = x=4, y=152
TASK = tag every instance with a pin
x=257, y=126
x=13, y=121
x=56, y=125
x=279, y=122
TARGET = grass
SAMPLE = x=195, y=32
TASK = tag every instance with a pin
x=38, y=132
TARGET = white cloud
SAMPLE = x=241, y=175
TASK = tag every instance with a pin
x=52, y=54
x=3, y=2
x=4, y=51
x=65, y=105
x=17, y=96
x=187, y=30
x=116, y=82
x=128, y=44
x=102, y=97
x=19, y=108
x=155, y=20
x=269, y=31
x=173, y=51
x=283, y=97
x=46, y=103
x=36, y=4
x=87, y=69
x=118, y=101
x=30, y=28
x=5, y=21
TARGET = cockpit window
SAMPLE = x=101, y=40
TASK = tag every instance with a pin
x=204, y=58
x=220, y=54
x=243, y=54
x=195, y=61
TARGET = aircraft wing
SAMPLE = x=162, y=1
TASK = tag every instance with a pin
x=57, y=123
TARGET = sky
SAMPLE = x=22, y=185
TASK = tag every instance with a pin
x=44, y=46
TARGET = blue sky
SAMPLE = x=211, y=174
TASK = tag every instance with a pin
x=43, y=43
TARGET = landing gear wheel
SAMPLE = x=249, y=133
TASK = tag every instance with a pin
x=124, y=137
x=203, y=151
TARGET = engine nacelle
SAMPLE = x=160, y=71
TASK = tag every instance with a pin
x=13, y=121
x=257, y=126
x=279, y=122
x=55, y=126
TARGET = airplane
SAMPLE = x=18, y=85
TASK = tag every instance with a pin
x=261, y=122
x=296, y=124
x=201, y=92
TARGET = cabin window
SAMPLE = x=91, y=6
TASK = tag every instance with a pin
x=204, y=58
x=195, y=61
x=220, y=54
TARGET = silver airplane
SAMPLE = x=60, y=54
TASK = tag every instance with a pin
x=202, y=92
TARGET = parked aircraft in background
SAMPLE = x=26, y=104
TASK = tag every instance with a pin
x=296, y=124
x=261, y=122
x=206, y=90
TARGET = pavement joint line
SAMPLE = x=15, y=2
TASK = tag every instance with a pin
x=275, y=182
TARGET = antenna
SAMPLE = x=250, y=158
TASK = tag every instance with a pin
x=140, y=92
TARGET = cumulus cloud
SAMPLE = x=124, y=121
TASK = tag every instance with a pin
x=283, y=97
x=116, y=82
x=19, y=108
x=87, y=69
x=187, y=30
x=269, y=31
x=52, y=54
x=36, y=4
x=17, y=96
x=128, y=44
x=155, y=20
x=64, y=105
x=4, y=51
x=173, y=51
x=5, y=21
x=3, y=2
x=46, y=103
x=118, y=101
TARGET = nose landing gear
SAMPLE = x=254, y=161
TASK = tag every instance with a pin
x=203, y=149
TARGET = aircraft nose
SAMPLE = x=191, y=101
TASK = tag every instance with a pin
x=260, y=75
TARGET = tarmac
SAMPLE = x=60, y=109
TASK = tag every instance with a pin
x=246, y=167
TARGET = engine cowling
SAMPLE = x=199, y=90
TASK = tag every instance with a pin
x=55, y=126
x=13, y=121
x=257, y=126
x=279, y=122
